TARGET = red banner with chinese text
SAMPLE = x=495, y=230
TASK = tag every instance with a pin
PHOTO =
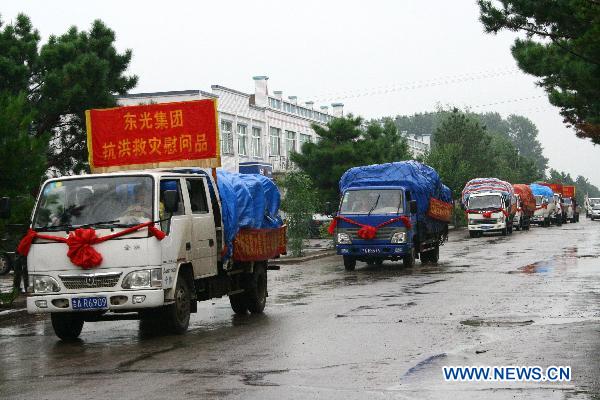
x=568, y=191
x=259, y=244
x=181, y=134
x=439, y=210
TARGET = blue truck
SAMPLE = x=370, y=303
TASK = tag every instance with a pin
x=394, y=211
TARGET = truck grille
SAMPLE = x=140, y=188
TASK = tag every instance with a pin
x=484, y=221
x=90, y=281
x=384, y=233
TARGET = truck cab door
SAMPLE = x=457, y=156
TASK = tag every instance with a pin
x=204, y=238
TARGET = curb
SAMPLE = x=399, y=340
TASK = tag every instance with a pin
x=297, y=260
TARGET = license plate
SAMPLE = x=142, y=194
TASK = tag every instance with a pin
x=486, y=227
x=89, y=303
x=371, y=251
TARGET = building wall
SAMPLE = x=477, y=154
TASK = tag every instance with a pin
x=238, y=110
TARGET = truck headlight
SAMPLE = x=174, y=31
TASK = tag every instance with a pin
x=45, y=284
x=143, y=279
x=399, y=237
x=343, y=238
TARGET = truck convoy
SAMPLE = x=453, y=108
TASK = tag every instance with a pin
x=149, y=244
x=490, y=206
x=525, y=207
x=394, y=211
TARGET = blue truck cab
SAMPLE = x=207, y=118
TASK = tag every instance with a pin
x=391, y=212
x=373, y=206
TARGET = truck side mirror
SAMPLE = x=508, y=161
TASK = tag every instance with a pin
x=171, y=201
x=412, y=206
x=5, y=207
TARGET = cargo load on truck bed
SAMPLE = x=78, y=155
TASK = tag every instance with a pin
x=526, y=196
x=252, y=227
x=421, y=180
x=541, y=190
x=480, y=185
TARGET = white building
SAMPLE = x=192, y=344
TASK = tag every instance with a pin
x=258, y=130
x=419, y=145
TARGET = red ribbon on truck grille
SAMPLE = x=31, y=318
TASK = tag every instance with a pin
x=487, y=214
x=368, y=232
x=80, y=241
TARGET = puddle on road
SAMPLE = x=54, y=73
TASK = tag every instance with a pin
x=495, y=323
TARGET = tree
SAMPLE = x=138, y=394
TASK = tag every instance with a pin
x=561, y=47
x=345, y=144
x=461, y=150
x=299, y=203
x=22, y=156
x=71, y=73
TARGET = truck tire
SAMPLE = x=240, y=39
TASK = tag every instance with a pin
x=431, y=256
x=178, y=314
x=67, y=326
x=238, y=303
x=409, y=259
x=4, y=264
x=349, y=263
x=504, y=232
x=256, y=291
x=474, y=234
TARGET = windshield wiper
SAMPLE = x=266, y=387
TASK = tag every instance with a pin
x=374, y=205
x=100, y=223
x=53, y=228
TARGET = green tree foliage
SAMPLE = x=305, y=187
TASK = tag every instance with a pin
x=561, y=47
x=61, y=79
x=345, y=144
x=299, y=203
x=463, y=149
x=22, y=156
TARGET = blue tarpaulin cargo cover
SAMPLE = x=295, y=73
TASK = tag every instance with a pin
x=541, y=190
x=421, y=180
x=247, y=201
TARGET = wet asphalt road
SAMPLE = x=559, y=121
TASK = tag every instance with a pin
x=378, y=332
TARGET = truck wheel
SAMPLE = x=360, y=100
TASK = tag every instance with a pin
x=4, y=264
x=504, y=232
x=178, y=313
x=66, y=326
x=473, y=234
x=349, y=263
x=238, y=303
x=431, y=256
x=256, y=292
x=409, y=259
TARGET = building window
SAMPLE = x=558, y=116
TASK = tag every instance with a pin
x=275, y=141
x=290, y=142
x=304, y=138
x=242, y=139
x=226, y=137
x=256, y=133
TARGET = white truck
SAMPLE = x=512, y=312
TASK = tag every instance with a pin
x=139, y=275
x=543, y=210
x=590, y=202
x=488, y=212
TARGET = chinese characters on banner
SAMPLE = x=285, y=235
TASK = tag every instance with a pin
x=182, y=134
x=259, y=244
x=439, y=210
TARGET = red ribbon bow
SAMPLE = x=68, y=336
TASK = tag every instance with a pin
x=80, y=241
x=487, y=214
x=368, y=232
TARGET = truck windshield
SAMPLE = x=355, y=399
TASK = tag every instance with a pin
x=539, y=200
x=481, y=202
x=378, y=201
x=567, y=200
x=125, y=200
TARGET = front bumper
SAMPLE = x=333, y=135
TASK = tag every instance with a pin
x=374, y=250
x=154, y=298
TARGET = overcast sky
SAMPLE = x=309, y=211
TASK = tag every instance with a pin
x=379, y=58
